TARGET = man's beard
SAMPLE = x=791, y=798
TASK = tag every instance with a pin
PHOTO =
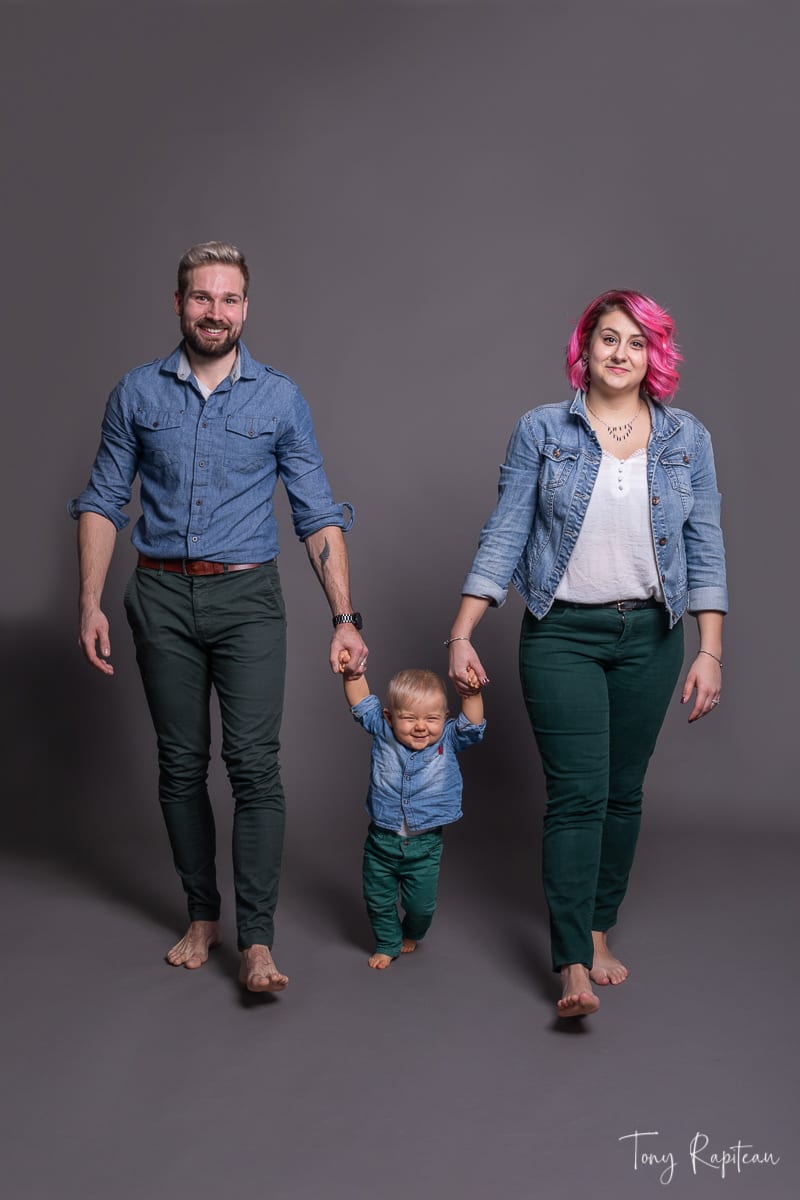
x=209, y=348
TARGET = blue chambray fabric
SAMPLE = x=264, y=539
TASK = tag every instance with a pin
x=208, y=468
x=546, y=481
x=422, y=786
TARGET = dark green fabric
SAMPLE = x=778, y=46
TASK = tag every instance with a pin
x=411, y=865
x=226, y=631
x=596, y=684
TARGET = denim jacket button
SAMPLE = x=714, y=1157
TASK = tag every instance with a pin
x=662, y=541
x=656, y=500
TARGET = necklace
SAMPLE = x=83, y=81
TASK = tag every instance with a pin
x=620, y=433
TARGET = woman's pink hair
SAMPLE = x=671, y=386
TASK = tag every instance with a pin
x=661, y=380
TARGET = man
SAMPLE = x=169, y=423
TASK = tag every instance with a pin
x=209, y=432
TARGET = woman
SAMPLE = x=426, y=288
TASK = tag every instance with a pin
x=607, y=523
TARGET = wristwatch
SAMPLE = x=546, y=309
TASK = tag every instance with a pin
x=348, y=619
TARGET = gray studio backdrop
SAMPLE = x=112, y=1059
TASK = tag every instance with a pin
x=427, y=195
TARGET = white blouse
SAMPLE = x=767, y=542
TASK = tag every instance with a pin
x=614, y=557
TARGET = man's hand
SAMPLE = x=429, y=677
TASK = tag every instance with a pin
x=96, y=538
x=93, y=637
x=349, y=652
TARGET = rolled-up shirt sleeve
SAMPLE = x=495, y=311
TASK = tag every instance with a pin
x=114, y=469
x=300, y=468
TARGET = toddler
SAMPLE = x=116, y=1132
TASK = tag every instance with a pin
x=414, y=789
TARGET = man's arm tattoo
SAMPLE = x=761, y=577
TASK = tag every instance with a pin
x=322, y=561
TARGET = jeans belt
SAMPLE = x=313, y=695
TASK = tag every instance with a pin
x=194, y=566
x=620, y=605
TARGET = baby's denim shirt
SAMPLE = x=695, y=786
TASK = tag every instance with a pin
x=421, y=786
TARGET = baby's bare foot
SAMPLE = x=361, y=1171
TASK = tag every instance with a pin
x=577, y=998
x=192, y=950
x=379, y=961
x=408, y=946
x=606, y=967
x=258, y=972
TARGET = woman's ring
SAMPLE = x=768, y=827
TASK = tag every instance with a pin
x=714, y=702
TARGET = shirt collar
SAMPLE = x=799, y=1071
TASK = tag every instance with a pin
x=184, y=370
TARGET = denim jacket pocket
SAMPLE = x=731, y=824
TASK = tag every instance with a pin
x=250, y=440
x=677, y=467
x=558, y=463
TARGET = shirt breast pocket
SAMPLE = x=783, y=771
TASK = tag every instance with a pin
x=249, y=441
x=159, y=433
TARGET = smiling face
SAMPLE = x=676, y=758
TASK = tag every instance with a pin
x=419, y=723
x=617, y=354
x=212, y=310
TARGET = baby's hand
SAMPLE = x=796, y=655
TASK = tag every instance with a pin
x=344, y=659
x=473, y=681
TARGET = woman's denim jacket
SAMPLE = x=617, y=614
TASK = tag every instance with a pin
x=546, y=480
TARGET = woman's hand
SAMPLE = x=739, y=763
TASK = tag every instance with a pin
x=705, y=680
x=466, y=669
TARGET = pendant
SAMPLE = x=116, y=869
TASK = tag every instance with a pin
x=627, y=430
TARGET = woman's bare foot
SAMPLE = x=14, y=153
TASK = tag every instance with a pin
x=258, y=972
x=577, y=998
x=192, y=950
x=606, y=968
x=408, y=946
x=379, y=961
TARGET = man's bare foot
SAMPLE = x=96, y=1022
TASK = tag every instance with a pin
x=192, y=950
x=577, y=998
x=606, y=968
x=408, y=946
x=379, y=961
x=258, y=972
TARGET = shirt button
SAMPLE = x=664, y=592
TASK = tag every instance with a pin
x=205, y=424
x=556, y=454
x=198, y=502
x=194, y=539
x=686, y=458
x=656, y=500
x=202, y=464
x=662, y=541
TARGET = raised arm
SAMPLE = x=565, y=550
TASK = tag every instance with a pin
x=327, y=554
x=472, y=705
x=96, y=539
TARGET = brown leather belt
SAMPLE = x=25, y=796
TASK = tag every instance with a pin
x=194, y=566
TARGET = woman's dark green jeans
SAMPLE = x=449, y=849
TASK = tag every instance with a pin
x=597, y=683
x=227, y=631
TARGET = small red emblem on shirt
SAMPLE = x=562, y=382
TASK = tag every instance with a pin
x=440, y=750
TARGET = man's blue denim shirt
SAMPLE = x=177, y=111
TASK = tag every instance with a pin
x=208, y=468
x=546, y=481
x=422, y=786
